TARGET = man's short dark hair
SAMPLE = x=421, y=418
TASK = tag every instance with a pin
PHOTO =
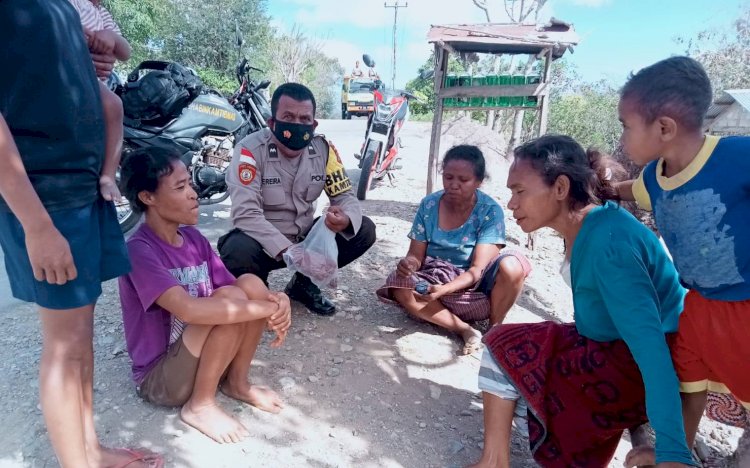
x=141, y=170
x=296, y=91
x=677, y=87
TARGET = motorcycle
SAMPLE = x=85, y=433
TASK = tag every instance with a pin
x=204, y=134
x=379, y=155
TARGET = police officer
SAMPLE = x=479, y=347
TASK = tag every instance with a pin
x=275, y=177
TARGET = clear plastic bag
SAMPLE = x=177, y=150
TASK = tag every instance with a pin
x=316, y=257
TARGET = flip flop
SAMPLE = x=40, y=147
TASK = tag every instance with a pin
x=152, y=460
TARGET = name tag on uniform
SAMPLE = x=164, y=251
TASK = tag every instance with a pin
x=271, y=181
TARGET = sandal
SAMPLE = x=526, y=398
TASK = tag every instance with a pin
x=151, y=460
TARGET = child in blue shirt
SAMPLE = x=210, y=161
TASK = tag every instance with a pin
x=697, y=186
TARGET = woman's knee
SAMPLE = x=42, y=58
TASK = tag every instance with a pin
x=252, y=286
x=230, y=292
x=510, y=274
x=402, y=295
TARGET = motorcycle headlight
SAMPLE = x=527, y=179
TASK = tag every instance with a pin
x=384, y=108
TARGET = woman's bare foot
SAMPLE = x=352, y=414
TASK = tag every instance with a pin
x=132, y=458
x=640, y=456
x=259, y=396
x=487, y=462
x=214, y=422
x=472, y=341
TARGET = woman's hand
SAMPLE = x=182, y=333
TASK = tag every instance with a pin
x=407, y=266
x=435, y=292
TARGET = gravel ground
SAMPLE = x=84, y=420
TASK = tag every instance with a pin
x=367, y=387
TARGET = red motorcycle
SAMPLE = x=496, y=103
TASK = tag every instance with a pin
x=379, y=152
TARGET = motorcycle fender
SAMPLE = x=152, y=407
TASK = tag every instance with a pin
x=379, y=137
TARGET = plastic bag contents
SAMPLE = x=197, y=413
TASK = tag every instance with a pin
x=316, y=257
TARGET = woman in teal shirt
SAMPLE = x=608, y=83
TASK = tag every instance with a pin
x=455, y=252
x=576, y=387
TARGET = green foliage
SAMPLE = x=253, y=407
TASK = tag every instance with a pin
x=139, y=23
x=202, y=35
x=424, y=88
x=217, y=80
x=584, y=111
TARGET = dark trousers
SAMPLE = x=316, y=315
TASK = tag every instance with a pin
x=242, y=254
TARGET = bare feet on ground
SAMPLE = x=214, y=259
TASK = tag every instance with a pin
x=472, y=341
x=259, y=396
x=486, y=463
x=214, y=422
x=640, y=456
x=132, y=458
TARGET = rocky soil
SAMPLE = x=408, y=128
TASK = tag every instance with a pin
x=367, y=387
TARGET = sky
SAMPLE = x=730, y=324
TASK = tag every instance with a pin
x=617, y=37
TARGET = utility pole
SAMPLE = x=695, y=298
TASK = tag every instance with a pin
x=395, y=5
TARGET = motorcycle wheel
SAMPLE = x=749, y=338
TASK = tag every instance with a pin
x=365, y=176
x=126, y=217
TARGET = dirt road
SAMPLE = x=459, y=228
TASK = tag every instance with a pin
x=367, y=387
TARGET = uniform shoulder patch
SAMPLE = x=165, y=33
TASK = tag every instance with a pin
x=337, y=181
x=247, y=168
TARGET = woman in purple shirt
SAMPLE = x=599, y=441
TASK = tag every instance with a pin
x=190, y=326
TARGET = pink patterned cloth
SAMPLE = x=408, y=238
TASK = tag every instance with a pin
x=471, y=304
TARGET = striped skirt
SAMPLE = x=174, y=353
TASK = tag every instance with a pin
x=470, y=304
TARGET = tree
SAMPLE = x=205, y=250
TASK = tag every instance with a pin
x=293, y=54
x=202, y=34
x=725, y=55
x=424, y=87
x=518, y=11
x=139, y=23
x=323, y=78
x=585, y=111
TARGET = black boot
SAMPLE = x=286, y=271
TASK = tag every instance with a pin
x=304, y=291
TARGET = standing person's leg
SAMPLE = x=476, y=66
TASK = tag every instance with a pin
x=352, y=249
x=243, y=255
x=66, y=352
x=502, y=403
x=237, y=384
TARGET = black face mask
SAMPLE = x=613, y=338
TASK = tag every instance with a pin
x=293, y=135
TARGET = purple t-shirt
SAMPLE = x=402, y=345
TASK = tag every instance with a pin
x=157, y=267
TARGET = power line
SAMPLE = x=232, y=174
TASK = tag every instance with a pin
x=395, y=5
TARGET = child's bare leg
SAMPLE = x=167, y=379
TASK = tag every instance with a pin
x=498, y=424
x=216, y=346
x=67, y=336
x=237, y=385
x=693, y=406
x=113, y=119
x=435, y=312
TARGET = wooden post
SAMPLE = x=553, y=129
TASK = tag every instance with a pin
x=441, y=67
x=544, y=105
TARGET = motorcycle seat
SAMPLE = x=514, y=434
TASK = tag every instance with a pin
x=151, y=126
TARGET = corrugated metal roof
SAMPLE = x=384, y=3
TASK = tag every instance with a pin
x=726, y=99
x=741, y=95
x=509, y=38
